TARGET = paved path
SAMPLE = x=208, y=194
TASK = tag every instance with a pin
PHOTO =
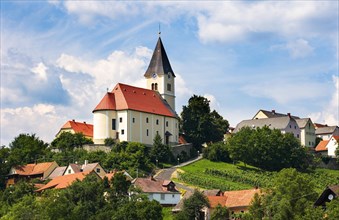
x=166, y=174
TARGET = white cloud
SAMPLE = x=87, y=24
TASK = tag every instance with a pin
x=299, y=48
x=40, y=71
x=330, y=113
x=40, y=119
x=236, y=21
x=214, y=104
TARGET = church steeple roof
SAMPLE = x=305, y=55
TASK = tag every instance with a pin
x=159, y=63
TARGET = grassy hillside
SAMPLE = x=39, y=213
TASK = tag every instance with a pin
x=218, y=175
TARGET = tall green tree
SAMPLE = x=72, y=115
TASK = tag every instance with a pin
x=25, y=149
x=268, y=149
x=192, y=207
x=160, y=151
x=290, y=198
x=69, y=141
x=217, y=152
x=199, y=124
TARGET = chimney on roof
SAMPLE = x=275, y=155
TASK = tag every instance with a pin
x=84, y=122
x=289, y=114
x=86, y=162
x=73, y=120
x=273, y=111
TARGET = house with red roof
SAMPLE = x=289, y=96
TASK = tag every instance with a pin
x=328, y=147
x=39, y=171
x=77, y=127
x=236, y=201
x=129, y=113
x=163, y=191
x=62, y=182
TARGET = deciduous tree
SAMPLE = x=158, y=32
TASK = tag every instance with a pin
x=199, y=124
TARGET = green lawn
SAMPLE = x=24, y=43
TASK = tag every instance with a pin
x=207, y=174
x=167, y=213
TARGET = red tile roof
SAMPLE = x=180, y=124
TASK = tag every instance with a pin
x=231, y=199
x=79, y=127
x=182, y=140
x=33, y=169
x=322, y=146
x=125, y=97
x=61, y=182
x=336, y=138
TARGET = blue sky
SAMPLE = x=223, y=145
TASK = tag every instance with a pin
x=59, y=57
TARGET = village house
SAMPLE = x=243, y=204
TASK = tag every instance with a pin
x=307, y=129
x=163, y=191
x=86, y=167
x=328, y=147
x=236, y=201
x=39, y=171
x=325, y=132
x=77, y=127
x=285, y=124
x=62, y=182
x=329, y=194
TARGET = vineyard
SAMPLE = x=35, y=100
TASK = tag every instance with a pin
x=217, y=175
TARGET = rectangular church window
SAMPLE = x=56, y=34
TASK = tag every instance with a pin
x=169, y=87
x=113, y=124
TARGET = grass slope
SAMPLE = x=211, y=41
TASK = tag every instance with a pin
x=218, y=175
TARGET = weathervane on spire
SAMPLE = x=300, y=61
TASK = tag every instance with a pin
x=159, y=30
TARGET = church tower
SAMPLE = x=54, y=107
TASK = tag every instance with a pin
x=160, y=76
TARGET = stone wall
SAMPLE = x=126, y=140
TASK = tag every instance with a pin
x=332, y=164
x=96, y=147
x=177, y=149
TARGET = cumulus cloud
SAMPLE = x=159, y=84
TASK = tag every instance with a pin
x=236, y=21
x=119, y=66
x=299, y=48
x=40, y=71
x=35, y=119
x=214, y=104
x=330, y=113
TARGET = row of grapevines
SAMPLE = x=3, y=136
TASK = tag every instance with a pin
x=260, y=179
x=207, y=183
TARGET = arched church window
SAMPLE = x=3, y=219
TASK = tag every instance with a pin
x=156, y=86
x=152, y=86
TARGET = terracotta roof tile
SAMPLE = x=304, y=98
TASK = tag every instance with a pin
x=125, y=97
x=336, y=138
x=79, y=127
x=322, y=146
x=62, y=182
x=216, y=200
x=240, y=198
x=33, y=169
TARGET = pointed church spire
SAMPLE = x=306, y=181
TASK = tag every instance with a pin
x=159, y=63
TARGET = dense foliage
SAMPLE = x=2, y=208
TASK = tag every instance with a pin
x=217, y=152
x=192, y=207
x=68, y=141
x=161, y=152
x=291, y=197
x=268, y=149
x=89, y=199
x=199, y=124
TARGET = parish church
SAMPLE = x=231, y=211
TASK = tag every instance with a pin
x=129, y=113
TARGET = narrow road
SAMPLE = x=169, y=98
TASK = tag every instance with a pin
x=166, y=174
